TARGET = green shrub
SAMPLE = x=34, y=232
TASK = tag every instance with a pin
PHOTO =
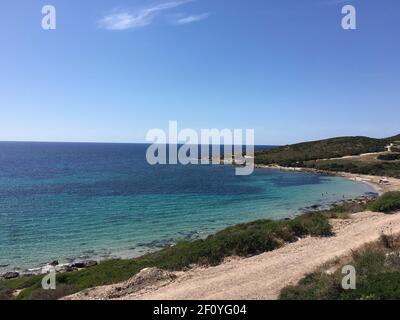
x=314, y=286
x=382, y=286
x=389, y=202
x=378, y=277
x=61, y=290
x=5, y=292
x=315, y=224
x=369, y=261
x=389, y=156
x=377, y=168
x=343, y=210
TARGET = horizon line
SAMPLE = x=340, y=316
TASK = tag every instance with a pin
x=101, y=142
x=132, y=142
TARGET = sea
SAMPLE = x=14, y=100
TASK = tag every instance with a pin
x=77, y=201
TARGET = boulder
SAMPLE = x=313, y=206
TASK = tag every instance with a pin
x=53, y=263
x=84, y=264
x=146, y=278
x=68, y=269
x=11, y=275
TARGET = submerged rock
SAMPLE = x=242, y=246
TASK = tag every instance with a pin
x=158, y=244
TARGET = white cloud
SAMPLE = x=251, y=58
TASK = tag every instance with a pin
x=192, y=18
x=123, y=20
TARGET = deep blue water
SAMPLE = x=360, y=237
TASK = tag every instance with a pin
x=71, y=201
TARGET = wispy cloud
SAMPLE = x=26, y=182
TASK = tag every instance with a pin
x=123, y=20
x=192, y=18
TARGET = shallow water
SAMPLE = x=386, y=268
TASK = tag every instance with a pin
x=71, y=201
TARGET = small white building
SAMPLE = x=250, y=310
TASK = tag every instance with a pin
x=389, y=147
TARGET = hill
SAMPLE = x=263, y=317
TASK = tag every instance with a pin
x=395, y=138
x=362, y=155
x=295, y=154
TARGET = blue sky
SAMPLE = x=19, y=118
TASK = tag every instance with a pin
x=115, y=69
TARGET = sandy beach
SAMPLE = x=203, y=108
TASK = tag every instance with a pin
x=379, y=183
x=263, y=276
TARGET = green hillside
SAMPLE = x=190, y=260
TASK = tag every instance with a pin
x=395, y=138
x=295, y=154
x=323, y=154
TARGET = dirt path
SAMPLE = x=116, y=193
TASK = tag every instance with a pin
x=263, y=276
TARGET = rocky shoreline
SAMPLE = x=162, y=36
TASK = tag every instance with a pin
x=53, y=265
x=84, y=261
x=361, y=200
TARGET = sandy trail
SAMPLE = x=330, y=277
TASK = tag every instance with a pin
x=263, y=276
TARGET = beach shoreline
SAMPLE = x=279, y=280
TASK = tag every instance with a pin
x=375, y=182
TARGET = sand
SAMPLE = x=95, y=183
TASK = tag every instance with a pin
x=377, y=182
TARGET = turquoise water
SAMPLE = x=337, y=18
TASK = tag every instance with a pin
x=78, y=201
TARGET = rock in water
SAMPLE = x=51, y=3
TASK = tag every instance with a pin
x=53, y=263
